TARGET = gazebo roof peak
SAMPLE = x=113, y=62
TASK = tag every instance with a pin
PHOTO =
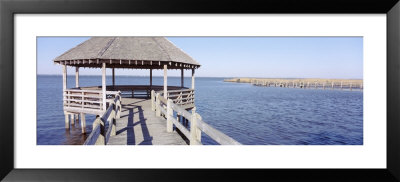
x=128, y=52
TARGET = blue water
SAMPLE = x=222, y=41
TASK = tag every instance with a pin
x=249, y=114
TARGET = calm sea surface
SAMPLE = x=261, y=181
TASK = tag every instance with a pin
x=251, y=115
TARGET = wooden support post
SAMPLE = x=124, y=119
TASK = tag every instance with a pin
x=76, y=77
x=341, y=85
x=165, y=81
x=72, y=118
x=66, y=120
x=113, y=122
x=323, y=85
x=158, y=111
x=315, y=85
x=151, y=78
x=113, y=77
x=361, y=86
x=101, y=139
x=65, y=86
x=351, y=84
x=193, y=78
x=195, y=133
x=182, y=78
x=119, y=105
x=153, y=106
x=83, y=122
x=77, y=118
x=333, y=83
x=103, y=86
x=169, y=116
x=64, y=77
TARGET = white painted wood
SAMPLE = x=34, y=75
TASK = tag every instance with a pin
x=66, y=120
x=153, y=105
x=193, y=129
x=83, y=122
x=64, y=77
x=193, y=70
x=103, y=85
x=85, y=110
x=85, y=101
x=72, y=118
x=113, y=124
x=180, y=127
x=150, y=130
x=158, y=111
x=77, y=118
x=169, y=116
x=165, y=81
x=76, y=77
x=101, y=139
x=197, y=132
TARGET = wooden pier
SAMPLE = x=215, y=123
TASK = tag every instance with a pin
x=154, y=121
x=152, y=114
x=324, y=84
x=139, y=125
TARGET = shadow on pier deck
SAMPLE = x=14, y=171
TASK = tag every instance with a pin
x=139, y=125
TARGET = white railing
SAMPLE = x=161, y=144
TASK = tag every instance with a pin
x=86, y=100
x=167, y=108
x=99, y=135
x=182, y=97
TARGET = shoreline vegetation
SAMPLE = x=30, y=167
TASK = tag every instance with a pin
x=301, y=82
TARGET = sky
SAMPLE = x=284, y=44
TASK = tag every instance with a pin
x=266, y=57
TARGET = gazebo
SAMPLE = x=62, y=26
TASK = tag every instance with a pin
x=120, y=52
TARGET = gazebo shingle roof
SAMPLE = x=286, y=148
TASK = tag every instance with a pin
x=127, y=52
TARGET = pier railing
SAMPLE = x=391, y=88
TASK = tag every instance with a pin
x=167, y=108
x=99, y=135
x=133, y=90
x=312, y=85
x=183, y=97
x=85, y=101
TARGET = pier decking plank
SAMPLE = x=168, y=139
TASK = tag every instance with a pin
x=139, y=125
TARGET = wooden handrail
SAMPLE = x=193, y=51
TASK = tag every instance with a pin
x=215, y=134
x=94, y=135
x=90, y=100
x=197, y=124
x=99, y=135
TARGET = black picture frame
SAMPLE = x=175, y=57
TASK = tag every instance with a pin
x=8, y=8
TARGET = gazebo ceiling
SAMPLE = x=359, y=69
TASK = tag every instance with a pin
x=127, y=52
